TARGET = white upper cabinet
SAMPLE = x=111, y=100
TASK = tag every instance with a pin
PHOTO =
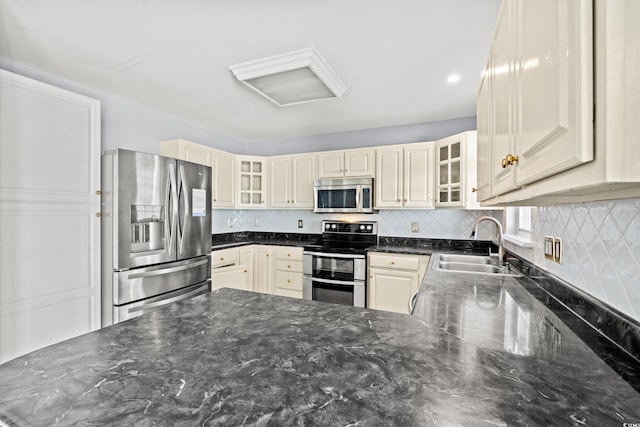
x=456, y=167
x=252, y=182
x=186, y=150
x=346, y=163
x=404, y=176
x=552, y=65
x=541, y=90
x=223, y=171
x=291, y=181
x=222, y=167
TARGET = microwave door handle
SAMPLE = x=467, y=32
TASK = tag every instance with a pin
x=358, y=191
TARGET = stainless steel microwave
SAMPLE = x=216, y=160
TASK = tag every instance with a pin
x=343, y=195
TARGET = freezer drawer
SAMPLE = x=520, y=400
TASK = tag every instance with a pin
x=129, y=311
x=141, y=283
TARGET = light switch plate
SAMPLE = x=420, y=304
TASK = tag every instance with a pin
x=549, y=247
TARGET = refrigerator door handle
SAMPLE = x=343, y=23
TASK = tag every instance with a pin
x=184, y=197
x=160, y=272
x=172, y=207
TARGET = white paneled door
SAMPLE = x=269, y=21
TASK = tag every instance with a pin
x=49, y=215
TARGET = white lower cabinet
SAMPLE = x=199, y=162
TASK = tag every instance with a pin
x=227, y=271
x=393, y=279
x=263, y=262
x=288, y=280
x=260, y=268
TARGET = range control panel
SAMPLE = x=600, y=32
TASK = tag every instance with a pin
x=344, y=227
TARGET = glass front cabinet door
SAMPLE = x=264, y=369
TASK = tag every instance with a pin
x=251, y=182
x=456, y=171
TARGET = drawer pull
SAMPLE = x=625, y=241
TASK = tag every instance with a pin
x=393, y=263
x=288, y=266
x=288, y=280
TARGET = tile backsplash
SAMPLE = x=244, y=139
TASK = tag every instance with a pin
x=436, y=224
x=601, y=240
x=601, y=254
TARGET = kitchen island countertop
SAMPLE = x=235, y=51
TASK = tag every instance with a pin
x=242, y=358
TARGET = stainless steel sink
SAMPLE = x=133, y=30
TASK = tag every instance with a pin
x=473, y=264
x=467, y=259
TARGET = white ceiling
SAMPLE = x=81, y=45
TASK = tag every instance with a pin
x=174, y=55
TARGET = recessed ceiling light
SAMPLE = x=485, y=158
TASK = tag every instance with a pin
x=291, y=78
x=454, y=78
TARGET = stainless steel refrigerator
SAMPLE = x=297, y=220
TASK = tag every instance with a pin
x=156, y=233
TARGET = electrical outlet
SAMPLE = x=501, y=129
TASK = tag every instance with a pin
x=557, y=250
x=256, y=222
x=415, y=227
x=549, y=247
x=229, y=222
x=300, y=225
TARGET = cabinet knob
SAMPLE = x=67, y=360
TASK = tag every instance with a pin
x=98, y=214
x=288, y=266
x=509, y=160
x=398, y=200
x=98, y=193
x=393, y=263
x=405, y=200
x=245, y=270
x=221, y=258
x=214, y=200
x=288, y=254
x=474, y=189
x=288, y=280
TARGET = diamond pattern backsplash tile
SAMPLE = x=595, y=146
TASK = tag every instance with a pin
x=601, y=253
x=601, y=240
x=435, y=224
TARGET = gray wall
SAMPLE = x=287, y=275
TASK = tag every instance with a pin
x=126, y=124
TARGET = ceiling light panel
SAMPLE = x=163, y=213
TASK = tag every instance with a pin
x=291, y=78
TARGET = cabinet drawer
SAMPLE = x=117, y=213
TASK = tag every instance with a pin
x=288, y=280
x=222, y=257
x=293, y=266
x=229, y=277
x=294, y=254
x=395, y=261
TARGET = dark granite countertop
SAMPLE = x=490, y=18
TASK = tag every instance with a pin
x=478, y=351
x=229, y=240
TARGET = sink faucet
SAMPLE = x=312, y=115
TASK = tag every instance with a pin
x=474, y=231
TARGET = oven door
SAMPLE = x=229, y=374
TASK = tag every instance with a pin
x=342, y=267
x=334, y=291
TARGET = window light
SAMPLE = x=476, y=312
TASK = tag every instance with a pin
x=291, y=78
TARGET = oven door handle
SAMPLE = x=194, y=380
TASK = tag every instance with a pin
x=332, y=255
x=337, y=282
